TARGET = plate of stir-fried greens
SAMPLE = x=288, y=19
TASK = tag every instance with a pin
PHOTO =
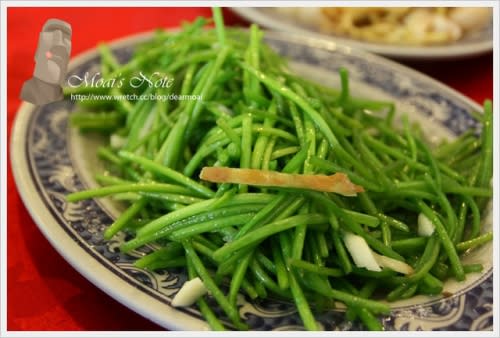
x=226, y=179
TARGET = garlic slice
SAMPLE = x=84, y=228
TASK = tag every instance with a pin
x=360, y=252
x=189, y=293
x=425, y=226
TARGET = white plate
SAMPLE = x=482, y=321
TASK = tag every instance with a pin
x=50, y=160
x=471, y=44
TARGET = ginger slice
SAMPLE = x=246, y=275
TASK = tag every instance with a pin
x=337, y=183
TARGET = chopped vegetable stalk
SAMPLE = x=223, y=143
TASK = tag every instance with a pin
x=338, y=183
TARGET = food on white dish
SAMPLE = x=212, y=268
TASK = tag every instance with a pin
x=393, y=25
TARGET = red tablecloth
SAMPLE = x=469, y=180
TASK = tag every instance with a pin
x=46, y=293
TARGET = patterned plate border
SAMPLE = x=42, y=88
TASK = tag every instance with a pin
x=46, y=168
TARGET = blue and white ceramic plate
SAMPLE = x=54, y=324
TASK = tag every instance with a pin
x=473, y=43
x=50, y=160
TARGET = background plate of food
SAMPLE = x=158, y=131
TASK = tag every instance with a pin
x=397, y=32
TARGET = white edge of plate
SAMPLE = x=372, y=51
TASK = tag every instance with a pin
x=458, y=50
x=125, y=293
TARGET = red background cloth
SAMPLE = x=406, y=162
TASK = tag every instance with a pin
x=46, y=293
